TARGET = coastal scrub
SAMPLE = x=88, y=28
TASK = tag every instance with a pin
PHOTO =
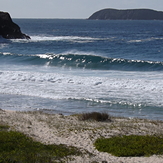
x=131, y=146
x=16, y=147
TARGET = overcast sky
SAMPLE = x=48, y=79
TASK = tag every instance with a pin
x=70, y=8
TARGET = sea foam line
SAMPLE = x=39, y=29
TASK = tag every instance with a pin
x=145, y=40
x=77, y=39
x=57, y=38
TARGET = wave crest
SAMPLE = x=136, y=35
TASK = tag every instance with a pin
x=83, y=60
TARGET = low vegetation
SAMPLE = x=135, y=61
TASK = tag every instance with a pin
x=16, y=147
x=131, y=146
x=95, y=116
x=4, y=127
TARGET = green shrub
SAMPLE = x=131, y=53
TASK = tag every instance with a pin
x=16, y=147
x=4, y=127
x=95, y=116
x=132, y=145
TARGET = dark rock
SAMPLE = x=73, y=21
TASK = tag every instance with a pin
x=130, y=14
x=8, y=29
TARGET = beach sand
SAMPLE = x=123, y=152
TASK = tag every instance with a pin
x=69, y=130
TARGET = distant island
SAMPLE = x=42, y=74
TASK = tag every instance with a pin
x=129, y=14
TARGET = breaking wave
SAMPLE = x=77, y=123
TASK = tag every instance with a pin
x=82, y=60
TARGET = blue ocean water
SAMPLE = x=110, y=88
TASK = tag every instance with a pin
x=74, y=66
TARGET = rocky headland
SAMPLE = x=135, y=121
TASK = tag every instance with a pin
x=129, y=14
x=8, y=29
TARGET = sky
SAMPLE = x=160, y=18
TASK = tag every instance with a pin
x=70, y=9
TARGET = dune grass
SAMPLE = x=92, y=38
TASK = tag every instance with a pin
x=16, y=147
x=96, y=116
x=131, y=146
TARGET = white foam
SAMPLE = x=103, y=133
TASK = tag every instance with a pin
x=135, y=89
x=74, y=52
x=134, y=41
x=77, y=39
x=45, y=56
x=7, y=53
x=145, y=39
x=62, y=38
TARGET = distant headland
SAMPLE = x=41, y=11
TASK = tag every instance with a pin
x=129, y=14
x=8, y=29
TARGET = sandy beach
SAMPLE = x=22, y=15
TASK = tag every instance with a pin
x=69, y=130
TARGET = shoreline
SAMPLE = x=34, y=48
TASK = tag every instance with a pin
x=69, y=130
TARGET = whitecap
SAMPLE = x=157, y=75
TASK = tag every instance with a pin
x=145, y=40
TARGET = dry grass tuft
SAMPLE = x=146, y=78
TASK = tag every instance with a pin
x=99, y=117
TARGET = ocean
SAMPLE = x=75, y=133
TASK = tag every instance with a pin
x=73, y=66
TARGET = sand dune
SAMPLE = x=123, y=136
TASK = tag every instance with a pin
x=60, y=129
